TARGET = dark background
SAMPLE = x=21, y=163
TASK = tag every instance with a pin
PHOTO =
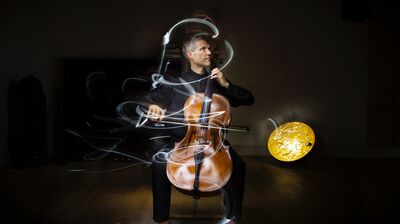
x=331, y=64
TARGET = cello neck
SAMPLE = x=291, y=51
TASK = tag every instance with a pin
x=206, y=102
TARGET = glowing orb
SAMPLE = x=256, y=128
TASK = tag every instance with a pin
x=291, y=141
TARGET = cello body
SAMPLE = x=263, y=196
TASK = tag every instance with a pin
x=200, y=161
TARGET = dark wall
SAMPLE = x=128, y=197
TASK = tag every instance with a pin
x=301, y=59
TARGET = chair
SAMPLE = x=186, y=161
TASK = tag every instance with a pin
x=185, y=208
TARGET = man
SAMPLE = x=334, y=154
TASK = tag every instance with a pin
x=168, y=99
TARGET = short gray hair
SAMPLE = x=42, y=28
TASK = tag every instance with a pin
x=189, y=44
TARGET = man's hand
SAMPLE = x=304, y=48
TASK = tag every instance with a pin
x=155, y=112
x=217, y=74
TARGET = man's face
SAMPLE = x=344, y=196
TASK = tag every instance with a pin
x=201, y=55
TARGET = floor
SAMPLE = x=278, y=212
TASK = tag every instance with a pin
x=119, y=192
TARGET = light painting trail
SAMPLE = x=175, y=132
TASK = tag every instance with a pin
x=132, y=114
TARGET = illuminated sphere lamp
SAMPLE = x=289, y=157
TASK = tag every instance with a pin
x=291, y=141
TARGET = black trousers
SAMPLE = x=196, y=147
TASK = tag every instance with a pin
x=232, y=191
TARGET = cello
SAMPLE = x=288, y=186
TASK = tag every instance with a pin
x=201, y=162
